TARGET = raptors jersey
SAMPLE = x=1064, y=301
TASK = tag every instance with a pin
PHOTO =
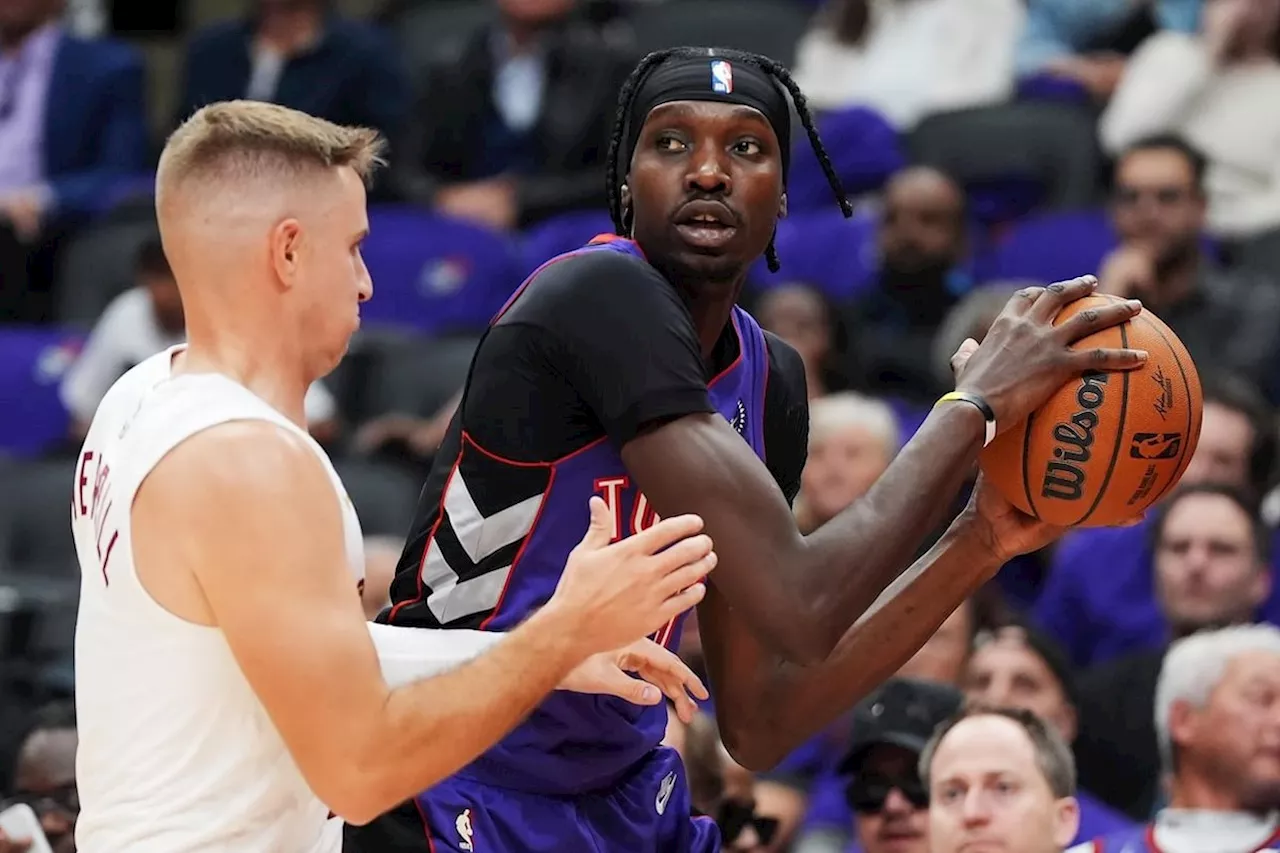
x=176, y=752
x=500, y=534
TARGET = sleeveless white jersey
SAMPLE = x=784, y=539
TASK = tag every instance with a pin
x=176, y=752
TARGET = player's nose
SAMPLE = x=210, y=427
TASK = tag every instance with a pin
x=708, y=172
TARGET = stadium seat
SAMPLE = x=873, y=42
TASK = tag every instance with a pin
x=1050, y=247
x=415, y=376
x=384, y=495
x=770, y=27
x=436, y=275
x=98, y=265
x=562, y=234
x=33, y=361
x=35, y=513
x=822, y=248
x=864, y=149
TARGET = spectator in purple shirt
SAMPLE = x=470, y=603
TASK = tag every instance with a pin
x=1099, y=601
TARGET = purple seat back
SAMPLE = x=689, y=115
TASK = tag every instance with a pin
x=822, y=248
x=864, y=149
x=561, y=234
x=33, y=361
x=1048, y=87
x=1051, y=247
x=434, y=274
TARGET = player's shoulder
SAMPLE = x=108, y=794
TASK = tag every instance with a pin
x=588, y=280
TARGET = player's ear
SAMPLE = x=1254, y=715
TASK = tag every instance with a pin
x=286, y=245
x=782, y=206
x=624, y=203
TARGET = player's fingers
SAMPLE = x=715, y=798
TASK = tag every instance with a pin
x=683, y=553
x=615, y=682
x=663, y=534
x=687, y=574
x=600, y=530
x=649, y=657
x=1102, y=358
x=958, y=361
x=686, y=599
x=1021, y=301
x=1092, y=320
x=1062, y=293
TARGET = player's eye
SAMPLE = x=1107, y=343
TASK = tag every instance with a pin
x=669, y=142
x=748, y=147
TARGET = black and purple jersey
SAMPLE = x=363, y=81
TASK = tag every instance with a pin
x=594, y=348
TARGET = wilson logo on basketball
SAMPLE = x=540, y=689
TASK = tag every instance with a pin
x=1064, y=476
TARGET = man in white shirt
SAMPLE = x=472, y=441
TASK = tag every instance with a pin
x=230, y=693
x=139, y=323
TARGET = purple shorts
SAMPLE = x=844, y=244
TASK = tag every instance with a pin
x=645, y=812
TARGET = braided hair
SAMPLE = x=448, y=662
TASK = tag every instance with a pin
x=774, y=69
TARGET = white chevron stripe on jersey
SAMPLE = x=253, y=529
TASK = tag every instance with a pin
x=450, y=599
x=481, y=536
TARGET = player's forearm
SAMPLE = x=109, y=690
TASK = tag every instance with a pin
x=432, y=728
x=768, y=707
x=407, y=655
x=848, y=562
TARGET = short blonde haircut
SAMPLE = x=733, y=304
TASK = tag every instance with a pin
x=837, y=412
x=251, y=140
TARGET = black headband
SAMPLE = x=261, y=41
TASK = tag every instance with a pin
x=710, y=78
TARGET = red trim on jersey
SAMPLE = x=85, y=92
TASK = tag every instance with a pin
x=426, y=826
x=426, y=545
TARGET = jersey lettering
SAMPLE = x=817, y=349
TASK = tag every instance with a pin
x=98, y=507
x=642, y=517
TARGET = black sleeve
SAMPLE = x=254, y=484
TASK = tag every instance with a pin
x=786, y=416
x=620, y=336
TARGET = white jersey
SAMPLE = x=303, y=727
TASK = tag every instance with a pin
x=176, y=753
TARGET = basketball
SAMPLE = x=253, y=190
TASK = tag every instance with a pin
x=1107, y=445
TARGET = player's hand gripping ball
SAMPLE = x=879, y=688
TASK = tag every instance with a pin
x=1106, y=446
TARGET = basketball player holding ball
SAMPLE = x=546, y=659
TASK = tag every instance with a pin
x=625, y=370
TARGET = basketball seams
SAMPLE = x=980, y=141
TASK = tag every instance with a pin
x=1026, y=459
x=1186, y=388
x=1115, y=452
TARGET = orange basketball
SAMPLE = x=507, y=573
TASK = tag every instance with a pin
x=1107, y=445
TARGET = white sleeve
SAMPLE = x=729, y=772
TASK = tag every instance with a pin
x=412, y=654
x=101, y=362
x=1158, y=90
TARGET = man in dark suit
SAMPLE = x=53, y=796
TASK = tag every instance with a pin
x=517, y=128
x=72, y=124
x=300, y=54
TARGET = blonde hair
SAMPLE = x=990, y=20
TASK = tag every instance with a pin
x=253, y=141
x=837, y=412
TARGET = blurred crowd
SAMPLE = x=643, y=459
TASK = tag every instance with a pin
x=1123, y=684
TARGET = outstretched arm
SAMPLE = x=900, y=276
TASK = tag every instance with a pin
x=801, y=594
x=280, y=593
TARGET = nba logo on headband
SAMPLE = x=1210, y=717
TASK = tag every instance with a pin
x=721, y=77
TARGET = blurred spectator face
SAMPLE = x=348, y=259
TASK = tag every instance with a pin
x=890, y=802
x=942, y=658
x=1233, y=741
x=1208, y=571
x=1005, y=672
x=1222, y=456
x=987, y=792
x=165, y=301
x=534, y=13
x=923, y=227
x=798, y=315
x=46, y=781
x=844, y=461
x=1157, y=205
x=1257, y=34
x=741, y=829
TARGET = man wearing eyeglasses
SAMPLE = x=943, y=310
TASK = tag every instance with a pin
x=45, y=779
x=890, y=729
x=1227, y=318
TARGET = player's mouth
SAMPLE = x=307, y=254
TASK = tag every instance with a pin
x=706, y=224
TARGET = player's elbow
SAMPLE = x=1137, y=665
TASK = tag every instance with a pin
x=752, y=749
x=355, y=798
